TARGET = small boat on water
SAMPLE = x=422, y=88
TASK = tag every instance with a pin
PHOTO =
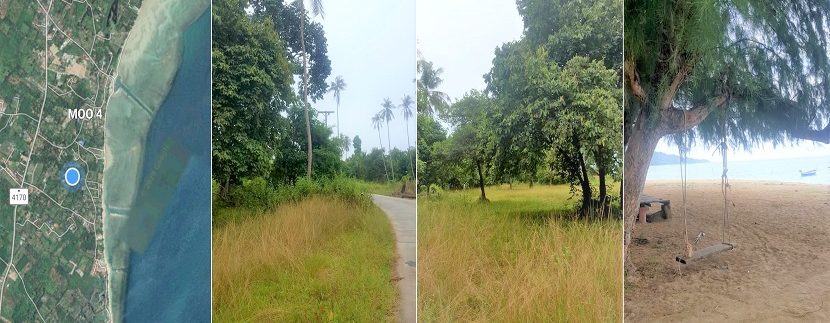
x=811, y=172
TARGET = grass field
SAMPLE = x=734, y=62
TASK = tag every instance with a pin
x=517, y=258
x=320, y=259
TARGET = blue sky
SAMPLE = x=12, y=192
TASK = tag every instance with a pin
x=371, y=43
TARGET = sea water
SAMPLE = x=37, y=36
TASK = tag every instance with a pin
x=777, y=170
x=170, y=280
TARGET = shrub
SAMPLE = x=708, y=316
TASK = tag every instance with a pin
x=435, y=190
x=257, y=195
x=253, y=193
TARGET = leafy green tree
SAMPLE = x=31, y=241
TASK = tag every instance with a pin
x=344, y=142
x=557, y=92
x=760, y=67
x=337, y=88
x=288, y=18
x=587, y=129
x=306, y=44
x=358, y=145
x=290, y=157
x=251, y=90
x=471, y=138
x=375, y=162
x=430, y=133
x=568, y=28
x=387, y=115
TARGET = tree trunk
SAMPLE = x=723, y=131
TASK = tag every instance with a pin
x=408, y=151
x=385, y=171
x=389, y=143
x=305, y=94
x=622, y=188
x=638, y=155
x=338, y=118
x=603, y=191
x=586, y=187
x=481, y=180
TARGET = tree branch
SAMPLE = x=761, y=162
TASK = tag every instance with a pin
x=678, y=120
x=807, y=133
x=677, y=81
x=633, y=79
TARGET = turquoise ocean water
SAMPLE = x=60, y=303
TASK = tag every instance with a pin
x=778, y=170
x=170, y=280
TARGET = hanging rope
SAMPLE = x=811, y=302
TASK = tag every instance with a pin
x=724, y=179
x=683, y=151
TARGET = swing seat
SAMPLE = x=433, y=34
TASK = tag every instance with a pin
x=705, y=253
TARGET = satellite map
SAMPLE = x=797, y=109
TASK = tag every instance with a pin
x=104, y=127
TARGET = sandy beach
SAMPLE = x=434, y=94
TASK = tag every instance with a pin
x=779, y=272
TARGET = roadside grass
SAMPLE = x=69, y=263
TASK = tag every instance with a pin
x=520, y=257
x=318, y=259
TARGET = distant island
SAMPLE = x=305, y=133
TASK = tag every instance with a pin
x=669, y=159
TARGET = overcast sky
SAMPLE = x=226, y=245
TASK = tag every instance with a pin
x=461, y=36
x=371, y=43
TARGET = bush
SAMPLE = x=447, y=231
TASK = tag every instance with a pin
x=345, y=188
x=256, y=193
x=214, y=194
x=435, y=190
x=253, y=193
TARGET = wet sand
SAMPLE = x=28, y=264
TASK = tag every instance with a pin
x=779, y=272
x=145, y=72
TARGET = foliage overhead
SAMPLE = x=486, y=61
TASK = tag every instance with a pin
x=763, y=63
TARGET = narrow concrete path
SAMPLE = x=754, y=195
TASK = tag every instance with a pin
x=401, y=213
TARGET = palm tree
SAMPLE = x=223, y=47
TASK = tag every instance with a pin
x=336, y=88
x=406, y=106
x=429, y=81
x=316, y=10
x=387, y=114
x=377, y=123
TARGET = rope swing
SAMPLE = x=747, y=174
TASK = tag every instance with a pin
x=692, y=254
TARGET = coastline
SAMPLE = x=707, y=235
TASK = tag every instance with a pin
x=732, y=181
x=146, y=68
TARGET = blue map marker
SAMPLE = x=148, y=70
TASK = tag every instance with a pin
x=72, y=176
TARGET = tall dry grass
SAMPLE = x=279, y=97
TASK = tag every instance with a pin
x=504, y=262
x=317, y=259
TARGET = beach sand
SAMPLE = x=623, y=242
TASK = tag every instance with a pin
x=146, y=69
x=779, y=272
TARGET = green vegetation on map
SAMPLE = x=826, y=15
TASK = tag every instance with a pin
x=56, y=67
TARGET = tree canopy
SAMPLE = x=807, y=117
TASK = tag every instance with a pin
x=550, y=112
x=256, y=130
x=760, y=67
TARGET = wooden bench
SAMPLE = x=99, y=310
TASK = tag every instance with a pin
x=646, y=201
